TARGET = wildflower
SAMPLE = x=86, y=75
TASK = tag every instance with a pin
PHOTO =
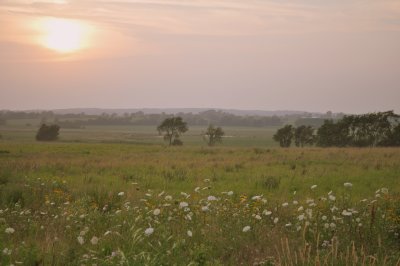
x=301, y=217
x=267, y=213
x=185, y=194
x=276, y=220
x=121, y=193
x=258, y=197
x=211, y=198
x=258, y=217
x=332, y=198
x=204, y=208
x=288, y=225
x=107, y=233
x=148, y=195
x=149, y=231
x=7, y=251
x=326, y=225
x=295, y=202
x=183, y=204
x=346, y=213
x=81, y=240
x=332, y=225
x=161, y=194
x=348, y=185
x=157, y=212
x=230, y=193
x=324, y=218
x=313, y=187
x=309, y=213
x=197, y=189
x=360, y=224
x=384, y=190
x=285, y=204
x=94, y=240
x=301, y=208
x=189, y=233
x=168, y=198
x=9, y=230
x=246, y=228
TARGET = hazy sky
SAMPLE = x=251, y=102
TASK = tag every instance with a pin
x=312, y=55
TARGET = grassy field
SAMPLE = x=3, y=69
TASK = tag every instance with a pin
x=234, y=136
x=87, y=200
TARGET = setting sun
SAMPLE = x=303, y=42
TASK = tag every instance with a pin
x=64, y=35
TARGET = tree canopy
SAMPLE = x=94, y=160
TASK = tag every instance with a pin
x=172, y=128
x=213, y=135
x=48, y=132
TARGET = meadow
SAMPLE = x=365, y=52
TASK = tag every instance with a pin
x=118, y=196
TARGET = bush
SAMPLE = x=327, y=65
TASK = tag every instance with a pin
x=47, y=133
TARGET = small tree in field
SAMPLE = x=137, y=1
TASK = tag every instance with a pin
x=284, y=136
x=172, y=128
x=47, y=132
x=213, y=135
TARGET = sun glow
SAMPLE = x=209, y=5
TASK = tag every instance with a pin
x=64, y=35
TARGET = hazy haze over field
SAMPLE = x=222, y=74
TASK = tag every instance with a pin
x=300, y=55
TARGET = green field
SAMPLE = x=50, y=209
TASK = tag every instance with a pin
x=234, y=136
x=118, y=196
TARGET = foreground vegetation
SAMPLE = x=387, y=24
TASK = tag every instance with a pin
x=107, y=204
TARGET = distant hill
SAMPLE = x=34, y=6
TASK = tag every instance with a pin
x=119, y=111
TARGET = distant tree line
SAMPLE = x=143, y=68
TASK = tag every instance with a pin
x=367, y=130
x=140, y=118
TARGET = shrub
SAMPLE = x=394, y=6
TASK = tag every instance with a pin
x=47, y=132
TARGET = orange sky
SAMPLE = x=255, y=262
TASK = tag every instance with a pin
x=304, y=55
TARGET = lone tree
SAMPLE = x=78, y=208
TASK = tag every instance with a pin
x=284, y=136
x=172, y=128
x=304, y=135
x=47, y=132
x=213, y=135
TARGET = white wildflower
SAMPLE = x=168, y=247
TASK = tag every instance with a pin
x=347, y=184
x=9, y=230
x=197, y=189
x=346, y=213
x=168, y=198
x=7, y=251
x=189, y=233
x=313, y=187
x=285, y=204
x=246, y=228
x=301, y=217
x=276, y=220
x=157, y=212
x=267, y=213
x=94, y=240
x=332, y=198
x=149, y=231
x=258, y=197
x=204, y=208
x=121, y=193
x=81, y=240
x=258, y=217
x=183, y=204
x=211, y=198
x=230, y=193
